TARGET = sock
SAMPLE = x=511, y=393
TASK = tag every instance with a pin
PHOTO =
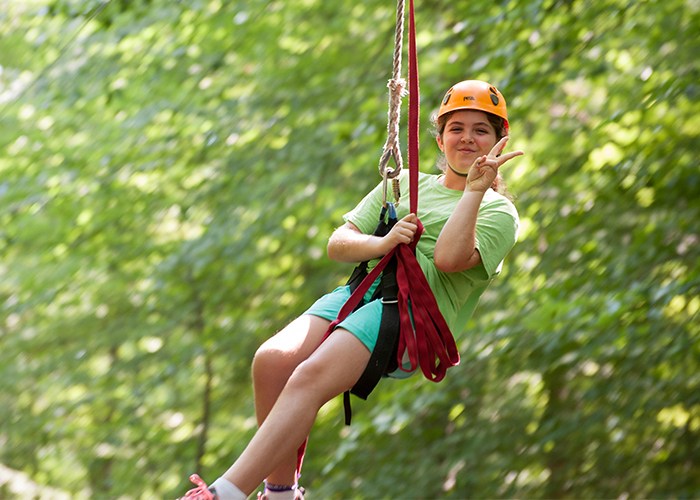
x=275, y=492
x=226, y=490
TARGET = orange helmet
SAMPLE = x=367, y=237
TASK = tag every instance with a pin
x=477, y=95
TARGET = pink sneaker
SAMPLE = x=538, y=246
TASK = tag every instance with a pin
x=201, y=492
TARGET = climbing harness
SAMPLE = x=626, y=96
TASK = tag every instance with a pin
x=383, y=359
x=423, y=334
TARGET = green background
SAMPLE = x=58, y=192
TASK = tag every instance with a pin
x=168, y=183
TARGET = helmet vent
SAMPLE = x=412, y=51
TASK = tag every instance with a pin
x=493, y=93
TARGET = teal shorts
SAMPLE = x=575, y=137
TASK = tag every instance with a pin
x=363, y=323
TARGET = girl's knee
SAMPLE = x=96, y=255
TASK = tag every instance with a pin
x=312, y=380
x=280, y=355
x=306, y=373
x=271, y=362
x=333, y=369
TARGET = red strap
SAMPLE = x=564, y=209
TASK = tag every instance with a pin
x=413, y=111
x=432, y=335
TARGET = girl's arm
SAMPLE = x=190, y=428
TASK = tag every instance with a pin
x=349, y=244
x=455, y=249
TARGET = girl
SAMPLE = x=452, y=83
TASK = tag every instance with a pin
x=469, y=229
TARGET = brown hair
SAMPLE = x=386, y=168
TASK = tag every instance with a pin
x=498, y=124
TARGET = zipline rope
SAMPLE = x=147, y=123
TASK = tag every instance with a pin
x=397, y=90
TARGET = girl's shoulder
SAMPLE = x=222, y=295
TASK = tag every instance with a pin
x=496, y=201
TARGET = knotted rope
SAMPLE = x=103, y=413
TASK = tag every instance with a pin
x=397, y=90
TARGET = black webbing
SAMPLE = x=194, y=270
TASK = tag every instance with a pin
x=383, y=358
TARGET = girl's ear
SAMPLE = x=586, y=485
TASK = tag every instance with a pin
x=439, y=141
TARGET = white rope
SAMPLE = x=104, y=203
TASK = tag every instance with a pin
x=397, y=90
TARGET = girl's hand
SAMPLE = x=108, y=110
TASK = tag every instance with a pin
x=484, y=170
x=402, y=232
x=349, y=244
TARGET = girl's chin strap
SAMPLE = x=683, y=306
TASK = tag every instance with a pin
x=458, y=173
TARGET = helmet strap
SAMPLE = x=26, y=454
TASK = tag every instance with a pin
x=458, y=173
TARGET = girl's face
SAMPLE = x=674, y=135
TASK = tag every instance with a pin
x=468, y=134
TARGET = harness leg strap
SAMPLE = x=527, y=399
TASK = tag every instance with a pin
x=383, y=358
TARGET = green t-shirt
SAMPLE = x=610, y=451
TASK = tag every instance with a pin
x=497, y=224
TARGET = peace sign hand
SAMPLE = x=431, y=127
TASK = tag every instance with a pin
x=485, y=168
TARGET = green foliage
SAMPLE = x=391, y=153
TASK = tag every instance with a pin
x=168, y=185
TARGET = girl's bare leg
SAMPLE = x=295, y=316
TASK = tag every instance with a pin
x=274, y=363
x=331, y=370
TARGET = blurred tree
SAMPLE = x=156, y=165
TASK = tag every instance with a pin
x=169, y=183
